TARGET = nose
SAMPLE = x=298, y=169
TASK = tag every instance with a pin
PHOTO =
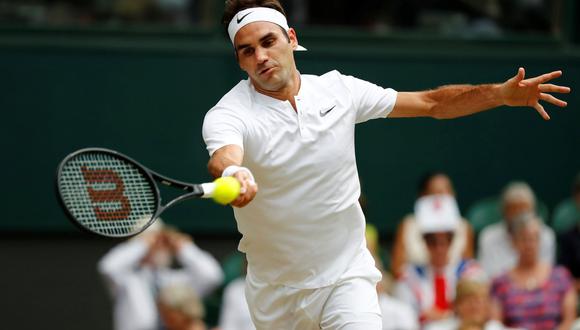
x=261, y=55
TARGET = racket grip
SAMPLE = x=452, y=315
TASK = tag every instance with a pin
x=208, y=189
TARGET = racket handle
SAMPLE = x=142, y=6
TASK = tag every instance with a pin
x=208, y=189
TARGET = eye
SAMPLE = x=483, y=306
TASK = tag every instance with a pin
x=268, y=42
x=248, y=51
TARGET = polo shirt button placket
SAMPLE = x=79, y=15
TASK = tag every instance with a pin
x=299, y=115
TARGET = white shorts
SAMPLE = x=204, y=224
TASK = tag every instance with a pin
x=350, y=304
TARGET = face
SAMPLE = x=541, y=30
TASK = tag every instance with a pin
x=439, y=185
x=159, y=255
x=527, y=242
x=438, y=248
x=473, y=308
x=514, y=208
x=264, y=52
x=175, y=320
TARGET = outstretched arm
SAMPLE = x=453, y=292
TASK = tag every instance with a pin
x=461, y=100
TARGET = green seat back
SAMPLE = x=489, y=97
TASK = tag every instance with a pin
x=566, y=214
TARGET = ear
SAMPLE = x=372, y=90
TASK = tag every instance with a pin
x=293, y=38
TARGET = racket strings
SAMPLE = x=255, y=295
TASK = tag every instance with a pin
x=106, y=194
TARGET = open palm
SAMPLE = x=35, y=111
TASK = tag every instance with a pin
x=519, y=92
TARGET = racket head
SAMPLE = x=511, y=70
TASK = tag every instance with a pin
x=107, y=193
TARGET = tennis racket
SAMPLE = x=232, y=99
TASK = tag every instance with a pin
x=110, y=194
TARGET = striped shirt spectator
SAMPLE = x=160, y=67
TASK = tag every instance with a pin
x=533, y=309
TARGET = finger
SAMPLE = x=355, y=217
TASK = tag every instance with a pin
x=540, y=109
x=551, y=88
x=242, y=201
x=250, y=190
x=543, y=78
x=520, y=75
x=551, y=99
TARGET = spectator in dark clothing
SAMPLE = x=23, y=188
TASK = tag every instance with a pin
x=569, y=242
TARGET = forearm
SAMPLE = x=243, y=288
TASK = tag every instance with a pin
x=462, y=100
x=224, y=157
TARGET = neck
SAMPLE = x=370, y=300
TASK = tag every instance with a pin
x=527, y=265
x=287, y=92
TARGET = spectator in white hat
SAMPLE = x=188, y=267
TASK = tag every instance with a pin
x=430, y=288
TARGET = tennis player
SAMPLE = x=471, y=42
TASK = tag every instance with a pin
x=293, y=133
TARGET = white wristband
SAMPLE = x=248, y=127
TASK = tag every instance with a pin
x=232, y=169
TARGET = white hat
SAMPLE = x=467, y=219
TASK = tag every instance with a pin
x=437, y=213
x=257, y=14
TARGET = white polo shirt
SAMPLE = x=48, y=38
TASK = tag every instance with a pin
x=305, y=225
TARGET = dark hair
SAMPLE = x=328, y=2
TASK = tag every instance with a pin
x=425, y=179
x=232, y=7
x=430, y=237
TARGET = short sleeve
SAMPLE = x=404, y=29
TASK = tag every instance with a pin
x=371, y=101
x=222, y=127
x=563, y=278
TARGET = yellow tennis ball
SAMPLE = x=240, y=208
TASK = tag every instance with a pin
x=227, y=189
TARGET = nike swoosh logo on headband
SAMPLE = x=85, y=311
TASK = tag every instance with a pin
x=239, y=20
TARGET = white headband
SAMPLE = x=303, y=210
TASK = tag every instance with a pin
x=257, y=14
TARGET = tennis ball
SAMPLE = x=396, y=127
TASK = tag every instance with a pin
x=227, y=189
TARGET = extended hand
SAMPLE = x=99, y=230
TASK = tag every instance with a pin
x=529, y=92
x=248, y=190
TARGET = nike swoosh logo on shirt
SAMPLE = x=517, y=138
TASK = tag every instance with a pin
x=238, y=19
x=325, y=112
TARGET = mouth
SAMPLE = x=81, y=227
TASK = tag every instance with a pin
x=266, y=71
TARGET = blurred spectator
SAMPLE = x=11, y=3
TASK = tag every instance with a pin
x=533, y=294
x=472, y=308
x=136, y=270
x=235, y=314
x=430, y=288
x=496, y=252
x=528, y=15
x=366, y=13
x=372, y=239
x=450, y=17
x=180, y=308
x=409, y=246
x=569, y=242
x=397, y=315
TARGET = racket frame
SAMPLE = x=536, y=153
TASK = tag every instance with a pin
x=154, y=179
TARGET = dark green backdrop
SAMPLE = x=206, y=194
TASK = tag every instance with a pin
x=146, y=95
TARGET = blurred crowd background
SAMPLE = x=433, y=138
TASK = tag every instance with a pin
x=138, y=76
x=447, y=17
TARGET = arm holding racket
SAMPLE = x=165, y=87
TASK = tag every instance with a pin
x=461, y=100
x=233, y=155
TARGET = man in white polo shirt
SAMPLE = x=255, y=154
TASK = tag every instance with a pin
x=303, y=233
